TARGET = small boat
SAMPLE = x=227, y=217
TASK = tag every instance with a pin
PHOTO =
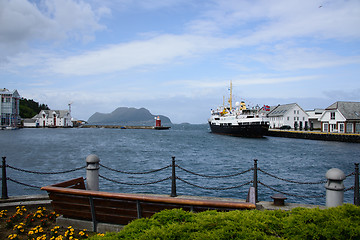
x=239, y=121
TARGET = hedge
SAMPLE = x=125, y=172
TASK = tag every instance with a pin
x=342, y=222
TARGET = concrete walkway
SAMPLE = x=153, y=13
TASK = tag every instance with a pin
x=27, y=201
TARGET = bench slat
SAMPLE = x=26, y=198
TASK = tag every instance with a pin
x=114, y=203
x=72, y=200
x=114, y=219
x=73, y=214
x=76, y=183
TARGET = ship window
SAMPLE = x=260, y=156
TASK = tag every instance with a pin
x=217, y=118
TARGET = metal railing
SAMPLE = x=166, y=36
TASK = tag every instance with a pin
x=255, y=182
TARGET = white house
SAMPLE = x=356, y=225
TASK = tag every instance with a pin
x=288, y=115
x=53, y=118
x=9, y=107
x=314, y=118
x=342, y=117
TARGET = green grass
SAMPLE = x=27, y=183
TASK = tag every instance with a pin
x=334, y=223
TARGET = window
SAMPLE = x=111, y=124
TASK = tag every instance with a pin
x=288, y=118
x=297, y=111
x=332, y=115
x=341, y=127
x=294, y=111
x=349, y=127
x=294, y=118
x=357, y=128
x=333, y=128
x=325, y=127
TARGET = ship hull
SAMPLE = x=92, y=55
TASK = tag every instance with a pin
x=253, y=131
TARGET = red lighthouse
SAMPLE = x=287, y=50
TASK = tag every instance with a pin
x=157, y=122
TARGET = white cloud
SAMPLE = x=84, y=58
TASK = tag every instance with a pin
x=299, y=58
x=22, y=22
x=262, y=21
x=158, y=50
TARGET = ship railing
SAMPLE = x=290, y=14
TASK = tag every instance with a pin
x=260, y=178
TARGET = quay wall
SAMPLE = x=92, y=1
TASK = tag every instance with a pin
x=340, y=137
x=117, y=126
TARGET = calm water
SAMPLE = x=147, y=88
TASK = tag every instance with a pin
x=195, y=148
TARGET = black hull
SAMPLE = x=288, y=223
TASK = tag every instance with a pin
x=253, y=131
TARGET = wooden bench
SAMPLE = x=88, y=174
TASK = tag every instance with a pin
x=72, y=200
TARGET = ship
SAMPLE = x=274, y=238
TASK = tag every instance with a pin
x=240, y=121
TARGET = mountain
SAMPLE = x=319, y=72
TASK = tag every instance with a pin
x=127, y=116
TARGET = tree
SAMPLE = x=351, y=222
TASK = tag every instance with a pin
x=29, y=108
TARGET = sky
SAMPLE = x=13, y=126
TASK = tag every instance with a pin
x=177, y=57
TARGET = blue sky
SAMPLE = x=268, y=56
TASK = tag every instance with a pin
x=177, y=57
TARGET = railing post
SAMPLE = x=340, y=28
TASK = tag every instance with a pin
x=255, y=181
x=356, y=186
x=4, y=192
x=335, y=187
x=173, y=179
x=92, y=172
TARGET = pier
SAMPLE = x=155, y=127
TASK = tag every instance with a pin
x=312, y=135
x=125, y=127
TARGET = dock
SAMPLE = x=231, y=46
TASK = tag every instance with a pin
x=315, y=135
x=125, y=127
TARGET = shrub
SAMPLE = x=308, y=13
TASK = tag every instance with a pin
x=334, y=223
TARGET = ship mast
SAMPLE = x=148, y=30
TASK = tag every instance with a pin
x=230, y=99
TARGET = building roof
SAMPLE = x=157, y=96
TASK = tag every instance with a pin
x=262, y=110
x=280, y=110
x=350, y=110
x=316, y=113
x=59, y=113
x=14, y=93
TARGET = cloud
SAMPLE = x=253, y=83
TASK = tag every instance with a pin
x=158, y=50
x=343, y=95
x=297, y=58
x=262, y=21
x=22, y=22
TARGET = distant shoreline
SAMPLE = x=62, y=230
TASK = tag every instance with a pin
x=125, y=127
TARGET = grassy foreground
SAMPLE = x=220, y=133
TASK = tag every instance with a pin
x=334, y=223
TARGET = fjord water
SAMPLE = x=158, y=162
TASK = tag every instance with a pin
x=194, y=148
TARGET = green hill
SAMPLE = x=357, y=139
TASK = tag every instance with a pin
x=29, y=108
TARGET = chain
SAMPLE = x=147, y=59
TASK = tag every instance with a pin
x=212, y=188
x=350, y=188
x=350, y=174
x=134, y=184
x=208, y=176
x=293, y=195
x=35, y=172
x=28, y=185
x=291, y=181
x=119, y=171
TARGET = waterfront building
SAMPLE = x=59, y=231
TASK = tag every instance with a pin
x=342, y=117
x=53, y=118
x=314, y=118
x=291, y=115
x=9, y=108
